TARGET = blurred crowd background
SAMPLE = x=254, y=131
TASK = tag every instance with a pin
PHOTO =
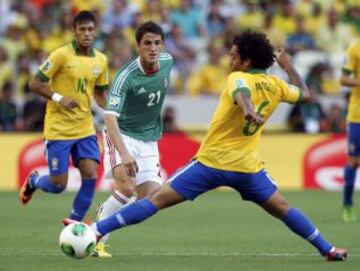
x=198, y=34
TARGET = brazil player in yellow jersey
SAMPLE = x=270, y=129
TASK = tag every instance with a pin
x=351, y=78
x=229, y=155
x=70, y=78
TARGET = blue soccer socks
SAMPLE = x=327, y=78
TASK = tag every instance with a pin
x=83, y=199
x=302, y=226
x=44, y=183
x=132, y=214
x=349, y=176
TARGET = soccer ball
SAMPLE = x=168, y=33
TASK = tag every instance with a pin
x=77, y=240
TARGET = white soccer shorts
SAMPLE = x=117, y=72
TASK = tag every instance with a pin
x=146, y=155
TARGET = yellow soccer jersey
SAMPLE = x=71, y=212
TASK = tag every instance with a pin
x=352, y=66
x=74, y=76
x=232, y=142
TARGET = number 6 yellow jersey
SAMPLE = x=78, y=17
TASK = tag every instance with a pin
x=74, y=76
x=232, y=142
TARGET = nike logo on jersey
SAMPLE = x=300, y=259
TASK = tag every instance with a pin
x=141, y=91
x=69, y=67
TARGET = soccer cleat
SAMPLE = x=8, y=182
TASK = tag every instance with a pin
x=339, y=254
x=100, y=252
x=26, y=191
x=349, y=214
x=68, y=221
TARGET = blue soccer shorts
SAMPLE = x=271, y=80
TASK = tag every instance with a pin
x=353, y=134
x=195, y=179
x=58, y=152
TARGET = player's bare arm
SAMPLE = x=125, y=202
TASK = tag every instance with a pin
x=348, y=81
x=127, y=160
x=43, y=89
x=100, y=97
x=285, y=62
x=244, y=102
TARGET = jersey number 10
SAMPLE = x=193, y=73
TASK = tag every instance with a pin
x=81, y=85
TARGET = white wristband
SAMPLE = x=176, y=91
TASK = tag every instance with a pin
x=56, y=97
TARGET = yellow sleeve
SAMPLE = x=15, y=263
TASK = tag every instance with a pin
x=289, y=93
x=102, y=81
x=49, y=68
x=351, y=60
x=237, y=83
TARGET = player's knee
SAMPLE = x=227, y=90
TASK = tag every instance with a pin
x=353, y=162
x=58, y=189
x=59, y=181
x=89, y=173
x=126, y=190
x=159, y=200
x=277, y=208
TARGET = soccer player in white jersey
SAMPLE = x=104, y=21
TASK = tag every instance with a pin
x=133, y=124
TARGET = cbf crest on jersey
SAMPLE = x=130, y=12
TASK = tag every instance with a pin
x=46, y=66
x=96, y=71
x=166, y=82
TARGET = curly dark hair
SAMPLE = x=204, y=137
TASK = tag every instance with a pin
x=148, y=27
x=256, y=47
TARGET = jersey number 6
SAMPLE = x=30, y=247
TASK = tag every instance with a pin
x=250, y=128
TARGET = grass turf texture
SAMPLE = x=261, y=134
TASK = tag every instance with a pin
x=217, y=232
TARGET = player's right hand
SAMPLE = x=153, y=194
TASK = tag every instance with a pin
x=130, y=165
x=68, y=103
x=254, y=118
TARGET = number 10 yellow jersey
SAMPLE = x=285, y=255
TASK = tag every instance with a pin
x=74, y=76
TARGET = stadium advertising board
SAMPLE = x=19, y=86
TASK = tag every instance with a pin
x=294, y=161
x=324, y=164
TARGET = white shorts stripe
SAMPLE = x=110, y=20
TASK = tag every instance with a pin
x=177, y=173
x=111, y=151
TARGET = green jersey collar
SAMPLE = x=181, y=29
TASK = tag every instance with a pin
x=254, y=71
x=77, y=49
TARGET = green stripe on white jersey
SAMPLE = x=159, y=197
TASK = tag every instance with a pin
x=137, y=98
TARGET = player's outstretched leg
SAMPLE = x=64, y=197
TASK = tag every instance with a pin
x=302, y=226
x=349, y=214
x=139, y=211
x=33, y=182
x=113, y=204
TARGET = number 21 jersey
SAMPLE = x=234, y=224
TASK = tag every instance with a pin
x=136, y=98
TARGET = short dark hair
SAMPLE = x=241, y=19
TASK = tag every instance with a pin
x=84, y=16
x=256, y=47
x=148, y=27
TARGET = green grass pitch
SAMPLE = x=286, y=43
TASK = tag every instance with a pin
x=217, y=232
